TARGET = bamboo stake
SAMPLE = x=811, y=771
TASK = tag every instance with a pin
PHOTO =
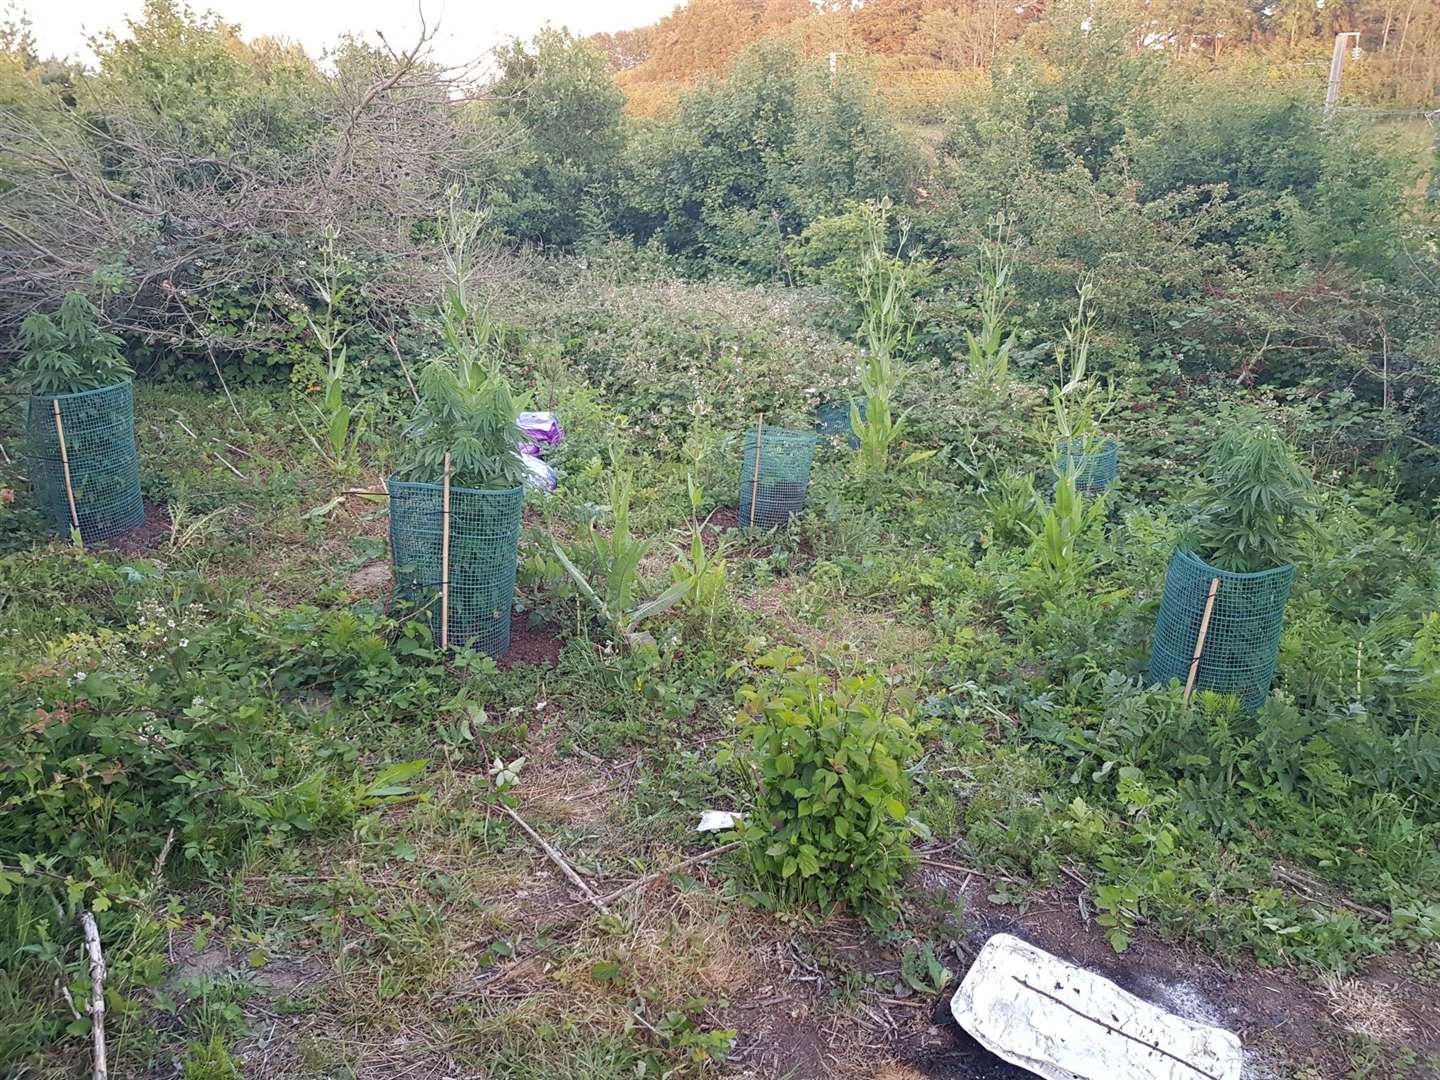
x=1200, y=638
x=65, y=465
x=445, y=558
x=755, y=477
x=97, y=992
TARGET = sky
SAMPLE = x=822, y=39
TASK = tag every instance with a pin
x=468, y=28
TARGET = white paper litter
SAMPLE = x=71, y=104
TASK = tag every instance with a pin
x=719, y=821
x=1065, y=1023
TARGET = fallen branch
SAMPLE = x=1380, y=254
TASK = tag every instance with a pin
x=97, y=992
x=559, y=860
x=959, y=869
x=694, y=860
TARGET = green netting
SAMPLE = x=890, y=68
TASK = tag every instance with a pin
x=484, y=546
x=1243, y=638
x=104, y=466
x=1095, y=471
x=832, y=422
x=785, y=458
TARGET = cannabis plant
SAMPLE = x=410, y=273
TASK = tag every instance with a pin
x=1256, y=500
x=68, y=353
x=988, y=353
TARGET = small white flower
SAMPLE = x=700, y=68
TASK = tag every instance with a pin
x=197, y=701
x=80, y=676
x=184, y=642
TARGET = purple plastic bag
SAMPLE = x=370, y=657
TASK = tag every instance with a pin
x=541, y=428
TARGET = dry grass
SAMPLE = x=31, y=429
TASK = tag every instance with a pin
x=1367, y=1009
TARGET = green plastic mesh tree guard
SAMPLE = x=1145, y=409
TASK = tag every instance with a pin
x=785, y=458
x=484, y=546
x=832, y=421
x=1095, y=471
x=1243, y=638
x=99, y=430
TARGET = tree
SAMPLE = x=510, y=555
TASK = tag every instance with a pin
x=559, y=92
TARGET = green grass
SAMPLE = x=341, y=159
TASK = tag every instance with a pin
x=355, y=932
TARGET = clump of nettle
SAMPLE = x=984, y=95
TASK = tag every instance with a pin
x=1256, y=501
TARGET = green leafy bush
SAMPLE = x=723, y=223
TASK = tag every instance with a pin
x=69, y=352
x=825, y=759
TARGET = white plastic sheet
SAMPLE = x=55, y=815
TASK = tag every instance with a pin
x=1065, y=1023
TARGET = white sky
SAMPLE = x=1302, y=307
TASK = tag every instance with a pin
x=467, y=27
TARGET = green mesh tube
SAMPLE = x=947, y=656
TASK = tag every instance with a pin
x=104, y=466
x=1243, y=638
x=484, y=546
x=832, y=422
x=1094, y=471
x=785, y=458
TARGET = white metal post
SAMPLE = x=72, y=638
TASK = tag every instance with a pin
x=1337, y=65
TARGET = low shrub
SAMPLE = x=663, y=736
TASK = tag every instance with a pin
x=825, y=758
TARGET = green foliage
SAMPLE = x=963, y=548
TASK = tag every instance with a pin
x=887, y=326
x=1064, y=544
x=616, y=557
x=1254, y=507
x=700, y=570
x=342, y=424
x=558, y=93
x=826, y=759
x=69, y=352
x=749, y=161
x=988, y=352
x=1079, y=401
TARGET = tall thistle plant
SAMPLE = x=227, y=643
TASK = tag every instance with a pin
x=1079, y=402
x=342, y=424
x=988, y=352
x=887, y=327
x=1257, y=499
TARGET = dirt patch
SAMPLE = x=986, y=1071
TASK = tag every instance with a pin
x=372, y=579
x=539, y=645
x=150, y=535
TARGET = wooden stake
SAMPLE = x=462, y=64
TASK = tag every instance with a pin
x=65, y=465
x=755, y=477
x=1200, y=638
x=97, y=993
x=445, y=558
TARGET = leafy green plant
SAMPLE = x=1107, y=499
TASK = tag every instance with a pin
x=68, y=353
x=342, y=424
x=825, y=760
x=923, y=970
x=1256, y=500
x=616, y=557
x=1079, y=402
x=1013, y=508
x=1063, y=543
x=988, y=352
x=887, y=327
x=702, y=572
